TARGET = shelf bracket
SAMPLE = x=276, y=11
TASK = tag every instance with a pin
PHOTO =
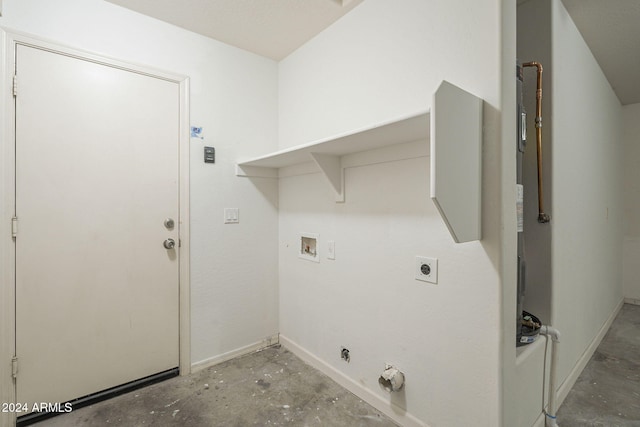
x=332, y=169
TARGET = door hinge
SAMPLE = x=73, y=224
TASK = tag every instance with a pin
x=14, y=227
x=15, y=85
x=14, y=367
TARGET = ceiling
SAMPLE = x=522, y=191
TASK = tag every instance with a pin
x=275, y=28
x=271, y=28
x=611, y=28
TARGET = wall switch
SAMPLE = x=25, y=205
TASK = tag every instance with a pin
x=331, y=249
x=231, y=215
x=427, y=269
x=209, y=155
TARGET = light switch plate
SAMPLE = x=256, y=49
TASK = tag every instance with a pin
x=231, y=215
x=331, y=249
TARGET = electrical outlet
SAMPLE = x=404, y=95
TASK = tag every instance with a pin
x=427, y=269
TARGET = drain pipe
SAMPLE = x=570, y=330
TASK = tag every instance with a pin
x=554, y=334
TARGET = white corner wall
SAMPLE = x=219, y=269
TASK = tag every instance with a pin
x=631, y=191
x=232, y=306
x=580, y=254
x=587, y=199
x=510, y=410
x=381, y=61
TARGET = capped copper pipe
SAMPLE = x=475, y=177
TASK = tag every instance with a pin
x=542, y=217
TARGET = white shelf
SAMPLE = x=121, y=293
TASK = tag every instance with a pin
x=327, y=153
x=454, y=127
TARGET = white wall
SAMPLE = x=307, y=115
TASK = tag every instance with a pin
x=232, y=306
x=510, y=412
x=385, y=60
x=587, y=196
x=631, y=191
x=583, y=164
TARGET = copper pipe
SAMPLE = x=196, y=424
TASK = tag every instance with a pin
x=542, y=217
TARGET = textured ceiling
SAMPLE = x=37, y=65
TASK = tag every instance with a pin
x=611, y=28
x=271, y=28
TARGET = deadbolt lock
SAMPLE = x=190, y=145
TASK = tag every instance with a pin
x=169, y=223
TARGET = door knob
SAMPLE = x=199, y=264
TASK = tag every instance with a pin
x=169, y=244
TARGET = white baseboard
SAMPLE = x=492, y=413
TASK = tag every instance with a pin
x=540, y=421
x=568, y=383
x=204, y=364
x=394, y=412
x=633, y=301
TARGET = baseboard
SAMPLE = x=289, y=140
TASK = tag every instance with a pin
x=633, y=301
x=540, y=421
x=571, y=379
x=392, y=411
x=204, y=364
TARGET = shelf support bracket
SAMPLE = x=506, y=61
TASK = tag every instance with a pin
x=332, y=169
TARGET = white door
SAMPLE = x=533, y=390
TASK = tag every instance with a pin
x=96, y=177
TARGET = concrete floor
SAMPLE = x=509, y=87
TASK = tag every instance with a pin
x=268, y=388
x=273, y=387
x=607, y=393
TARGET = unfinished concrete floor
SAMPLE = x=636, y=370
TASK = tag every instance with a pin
x=271, y=387
x=607, y=393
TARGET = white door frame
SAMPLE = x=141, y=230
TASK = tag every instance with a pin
x=9, y=40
